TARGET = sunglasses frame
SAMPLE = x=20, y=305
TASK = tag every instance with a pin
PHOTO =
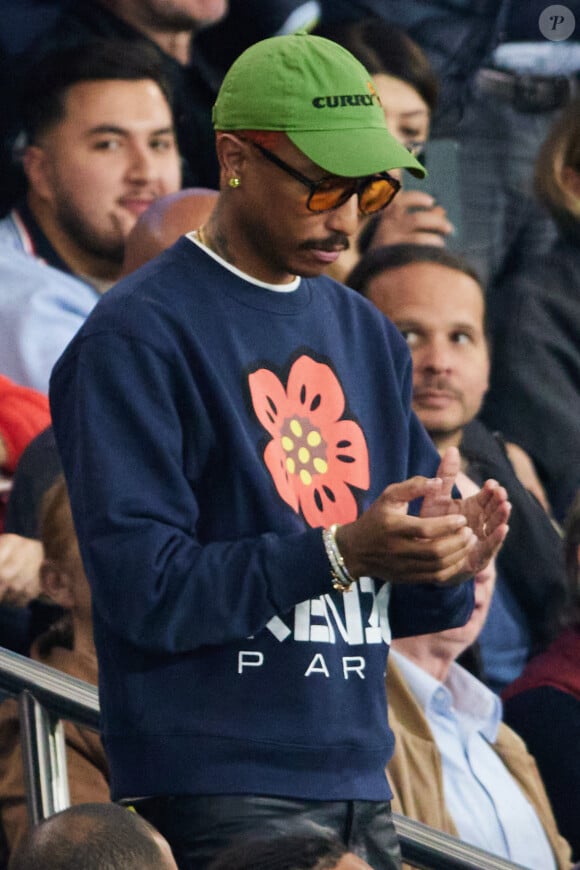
x=357, y=187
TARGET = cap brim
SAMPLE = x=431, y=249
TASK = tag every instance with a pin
x=356, y=153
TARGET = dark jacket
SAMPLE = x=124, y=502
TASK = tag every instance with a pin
x=531, y=560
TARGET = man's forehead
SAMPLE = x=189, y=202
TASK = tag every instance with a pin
x=428, y=289
x=104, y=101
x=425, y=272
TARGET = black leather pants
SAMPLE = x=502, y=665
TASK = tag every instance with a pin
x=197, y=828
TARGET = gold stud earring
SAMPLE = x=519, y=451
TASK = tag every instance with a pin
x=234, y=182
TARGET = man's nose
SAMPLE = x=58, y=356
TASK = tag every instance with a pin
x=344, y=219
x=141, y=165
x=436, y=355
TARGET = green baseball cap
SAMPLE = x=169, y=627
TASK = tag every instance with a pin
x=317, y=93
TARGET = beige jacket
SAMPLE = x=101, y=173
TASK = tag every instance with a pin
x=416, y=777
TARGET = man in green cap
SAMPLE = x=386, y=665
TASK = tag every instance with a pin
x=241, y=454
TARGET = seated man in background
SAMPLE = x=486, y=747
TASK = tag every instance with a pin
x=168, y=29
x=93, y=836
x=438, y=304
x=456, y=767
x=100, y=149
x=67, y=646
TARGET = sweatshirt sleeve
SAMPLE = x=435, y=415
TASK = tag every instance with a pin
x=160, y=578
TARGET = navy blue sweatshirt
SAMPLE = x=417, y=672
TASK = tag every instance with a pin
x=208, y=428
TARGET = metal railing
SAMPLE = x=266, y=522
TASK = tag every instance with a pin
x=428, y=849
x=47, y=696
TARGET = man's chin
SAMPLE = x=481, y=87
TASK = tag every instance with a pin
x=114, y=253
x=440, y=429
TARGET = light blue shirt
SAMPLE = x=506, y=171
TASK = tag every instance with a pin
x=484, y=800
x=41, y=309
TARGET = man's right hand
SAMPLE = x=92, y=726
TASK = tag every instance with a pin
x=442, y=545
x=388, y=543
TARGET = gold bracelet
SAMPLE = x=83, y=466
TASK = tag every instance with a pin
x=342, y=580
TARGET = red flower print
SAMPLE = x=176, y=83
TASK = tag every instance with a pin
x=314, y=457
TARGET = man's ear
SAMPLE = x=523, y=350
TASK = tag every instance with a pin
x=35, y=162
x=232, y=154
x=57, y=584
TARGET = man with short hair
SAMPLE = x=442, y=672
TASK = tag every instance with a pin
x=100, y=149
x=437, y=302
x=93, y=836
x=234, y=469
x=166, y=27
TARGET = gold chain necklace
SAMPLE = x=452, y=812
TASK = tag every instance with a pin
x=203, y=238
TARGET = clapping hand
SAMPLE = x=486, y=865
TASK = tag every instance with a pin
x=450, y=540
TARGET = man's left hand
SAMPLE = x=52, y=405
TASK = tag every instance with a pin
x=487, y=511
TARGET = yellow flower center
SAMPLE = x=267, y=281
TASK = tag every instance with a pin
x=305, y=449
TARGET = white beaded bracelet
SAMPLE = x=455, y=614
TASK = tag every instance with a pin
x=341, y=579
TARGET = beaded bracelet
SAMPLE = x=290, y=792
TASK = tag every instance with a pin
x=341, y=579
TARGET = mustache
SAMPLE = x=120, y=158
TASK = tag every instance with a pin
x=337, y=241
x=439, y=383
